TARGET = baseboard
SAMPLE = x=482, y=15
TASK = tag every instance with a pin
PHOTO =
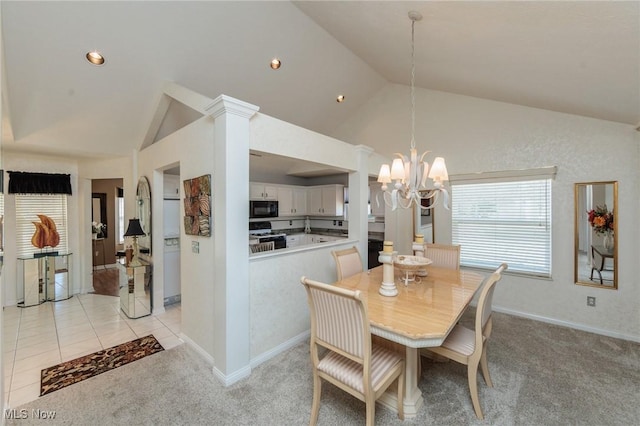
x=204, y=354
x=569, y=324
x=265, y=356
x=232, y=378
x=224, y=379
x=244, y=372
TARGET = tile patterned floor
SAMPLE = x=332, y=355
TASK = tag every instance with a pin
x=41, y=336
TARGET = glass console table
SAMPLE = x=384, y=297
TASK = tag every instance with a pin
x=135, y=289
x=44, y=278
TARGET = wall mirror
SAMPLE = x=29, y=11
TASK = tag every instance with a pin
x=143, y=200
x=596, y=234
x=99, y=212
x=423, y=220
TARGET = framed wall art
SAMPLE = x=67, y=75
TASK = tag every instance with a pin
x=197, y=206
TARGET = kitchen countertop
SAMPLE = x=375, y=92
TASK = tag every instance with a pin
x=316, y=231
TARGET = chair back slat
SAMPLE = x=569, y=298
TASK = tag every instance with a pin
x=348, y=262
x=260, y=247
x=339, y=321
x=443, y=255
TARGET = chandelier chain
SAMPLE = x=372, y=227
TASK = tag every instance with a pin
x=413, y=79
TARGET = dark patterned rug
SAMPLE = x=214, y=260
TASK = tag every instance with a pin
x=76, y=370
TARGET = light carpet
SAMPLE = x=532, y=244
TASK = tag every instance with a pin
x=543, y=375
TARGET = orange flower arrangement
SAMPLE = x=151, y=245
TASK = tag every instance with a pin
x=601, y=220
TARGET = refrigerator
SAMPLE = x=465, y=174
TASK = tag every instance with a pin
x=171, y=226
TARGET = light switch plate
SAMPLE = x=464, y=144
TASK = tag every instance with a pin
x=195, y=246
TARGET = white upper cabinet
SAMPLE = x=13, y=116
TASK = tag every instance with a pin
x=300, y=201
x=292, y=201
x=171, y=189
x=261, y=191
x=327, y=200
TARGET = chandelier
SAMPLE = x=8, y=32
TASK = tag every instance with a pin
x=411, y=173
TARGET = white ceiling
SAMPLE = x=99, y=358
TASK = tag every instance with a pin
x=575, y=57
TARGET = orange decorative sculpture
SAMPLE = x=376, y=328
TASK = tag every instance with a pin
x=46, y=233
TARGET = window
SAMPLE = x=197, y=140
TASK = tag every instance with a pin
x=28, y=206
x=502, y=218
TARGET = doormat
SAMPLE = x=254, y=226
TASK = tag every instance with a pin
x=85, y=367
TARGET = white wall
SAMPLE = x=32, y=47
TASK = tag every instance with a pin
x=192, y=147
x=478, y=135
x=279, y=310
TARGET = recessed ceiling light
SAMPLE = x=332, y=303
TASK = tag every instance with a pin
x=340, y=98
x=95, y=58
x=275, y=63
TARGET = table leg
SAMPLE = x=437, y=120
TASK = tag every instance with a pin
x=412, y=395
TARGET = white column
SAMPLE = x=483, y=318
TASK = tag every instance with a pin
x=358, y=196
x=230, y=184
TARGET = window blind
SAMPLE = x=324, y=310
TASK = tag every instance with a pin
x=510, y=222
x=28, y=206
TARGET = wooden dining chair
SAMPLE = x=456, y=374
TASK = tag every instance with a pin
x=340, y=330
x=443, y=255
x=469, y=347
x=260, y=247
x=348, y=262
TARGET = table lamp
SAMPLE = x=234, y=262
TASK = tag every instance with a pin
x=134, y=230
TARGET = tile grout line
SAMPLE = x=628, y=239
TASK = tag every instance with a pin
x=13, y=361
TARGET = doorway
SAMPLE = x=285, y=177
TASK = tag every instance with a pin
x=107, y=215
x=171, y=234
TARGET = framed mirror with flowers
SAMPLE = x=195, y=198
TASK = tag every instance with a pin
x=596, y=234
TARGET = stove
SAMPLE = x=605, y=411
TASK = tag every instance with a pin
x=263, y=233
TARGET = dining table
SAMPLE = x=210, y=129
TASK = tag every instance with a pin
x=421, y=315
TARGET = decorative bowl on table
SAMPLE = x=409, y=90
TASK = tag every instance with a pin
x=411, y=265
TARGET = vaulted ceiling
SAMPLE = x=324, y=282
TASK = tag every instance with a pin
x=575, y=57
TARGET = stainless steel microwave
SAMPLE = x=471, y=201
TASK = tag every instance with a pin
x=258, y=209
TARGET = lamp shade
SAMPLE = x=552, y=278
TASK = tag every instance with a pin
x=439, y=170
x=397, y=169
x=385, y=174
x=134, y=229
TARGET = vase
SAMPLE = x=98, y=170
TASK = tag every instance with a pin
x=608, y=241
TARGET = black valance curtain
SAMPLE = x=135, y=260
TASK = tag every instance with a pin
x=39, y=183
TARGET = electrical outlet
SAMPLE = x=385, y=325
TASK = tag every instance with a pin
x=339, y=223
x=591, y=301
x=334, y=223
x=195, y=246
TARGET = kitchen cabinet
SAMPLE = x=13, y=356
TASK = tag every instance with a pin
x=327, y=200
x=171, y=187
x=261, y=191
x=296, y=240
x=316, y=238
x=292, y=201
x=376, y=199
